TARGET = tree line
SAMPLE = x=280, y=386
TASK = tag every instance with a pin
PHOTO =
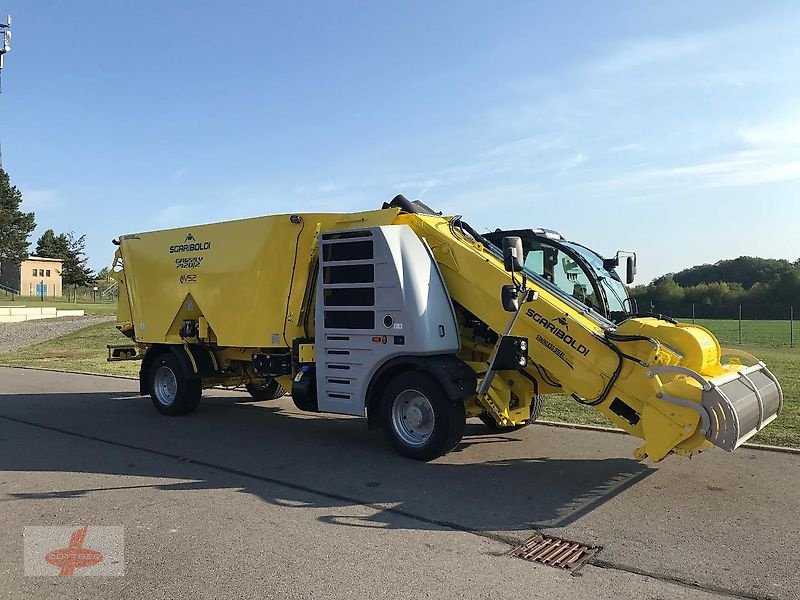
x=16, y=227
x=765, y=288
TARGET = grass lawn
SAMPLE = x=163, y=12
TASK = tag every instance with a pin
x=85, y=350
x=90, y=308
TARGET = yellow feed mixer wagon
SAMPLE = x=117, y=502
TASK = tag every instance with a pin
x=412, y=319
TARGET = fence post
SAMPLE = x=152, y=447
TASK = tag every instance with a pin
x=791, y=327
x=693, y=321
x=740, y=324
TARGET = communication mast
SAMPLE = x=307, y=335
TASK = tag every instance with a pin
x=5, y=46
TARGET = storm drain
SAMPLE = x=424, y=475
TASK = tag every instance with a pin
x=555, y=552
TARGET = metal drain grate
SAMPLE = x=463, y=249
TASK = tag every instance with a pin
x=555, y=552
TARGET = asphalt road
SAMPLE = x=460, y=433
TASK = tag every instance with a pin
x=247, y=500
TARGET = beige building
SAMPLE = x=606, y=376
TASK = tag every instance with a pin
x=33, y=277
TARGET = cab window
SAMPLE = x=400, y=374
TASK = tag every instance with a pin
x=560, y=269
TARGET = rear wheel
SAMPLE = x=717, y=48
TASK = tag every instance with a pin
x=267, y=390
x=420, y=421
x=172, y=392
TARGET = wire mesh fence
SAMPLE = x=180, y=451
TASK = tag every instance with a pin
x=76, y=294
x=739, y=329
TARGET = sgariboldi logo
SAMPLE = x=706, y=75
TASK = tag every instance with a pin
x=190, y=244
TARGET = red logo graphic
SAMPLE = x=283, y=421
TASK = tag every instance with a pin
x=74, y=556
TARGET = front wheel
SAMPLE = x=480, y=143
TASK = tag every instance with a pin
x=172, y=392
x=418, y=418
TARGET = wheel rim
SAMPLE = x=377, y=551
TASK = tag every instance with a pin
x=413, y=418
x=165, y=385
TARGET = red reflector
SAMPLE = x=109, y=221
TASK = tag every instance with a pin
x=379, y=339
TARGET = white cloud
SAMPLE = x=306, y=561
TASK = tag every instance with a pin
x=328, y=188
x=568, y=164
x=323, y=188
x=525, y=146
x=778, y=133
x=740, y=169
x=40, y=199
x=624, y=148
x=417, y=188
x=180, y=172
x=633, y=54
x=736, y=55
x=174, y=215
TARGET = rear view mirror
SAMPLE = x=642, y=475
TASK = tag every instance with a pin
x=631, y=269
x=510, y=297
x=513, y=257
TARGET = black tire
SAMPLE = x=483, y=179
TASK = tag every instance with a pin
x=268, y=390
x=537, y=402
x=446, y=425
x=172, y=392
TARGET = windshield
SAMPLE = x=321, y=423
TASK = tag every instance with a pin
x=615, y=291
x=570, y=268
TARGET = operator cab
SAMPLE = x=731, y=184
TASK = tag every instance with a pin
x=575, y=269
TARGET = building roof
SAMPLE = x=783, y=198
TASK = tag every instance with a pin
x=43, y=259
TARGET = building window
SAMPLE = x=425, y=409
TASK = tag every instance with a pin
x=41, y=272
x=47, y=273
x=34, y=272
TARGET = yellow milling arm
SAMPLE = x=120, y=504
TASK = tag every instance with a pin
x=669, y=384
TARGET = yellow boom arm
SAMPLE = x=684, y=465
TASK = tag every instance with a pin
x=669, y=384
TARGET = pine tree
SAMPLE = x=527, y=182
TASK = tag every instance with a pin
x=15, y=226
x=75, y=269
x=72, y=252
x=49, y=245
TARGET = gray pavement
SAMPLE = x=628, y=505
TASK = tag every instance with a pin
x=248, y=500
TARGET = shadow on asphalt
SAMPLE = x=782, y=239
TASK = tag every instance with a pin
x=294, y=459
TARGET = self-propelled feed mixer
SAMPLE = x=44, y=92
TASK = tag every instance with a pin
x=415, y=321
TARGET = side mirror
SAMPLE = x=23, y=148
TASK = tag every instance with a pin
x=510, y=297
x=513, y=257
x=631, y=269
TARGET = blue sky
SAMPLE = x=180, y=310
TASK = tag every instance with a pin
x=669, y=128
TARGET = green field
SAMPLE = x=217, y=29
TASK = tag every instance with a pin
x=85, y=351
x=771, y=333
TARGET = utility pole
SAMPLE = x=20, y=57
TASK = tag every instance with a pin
x=5, y=46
